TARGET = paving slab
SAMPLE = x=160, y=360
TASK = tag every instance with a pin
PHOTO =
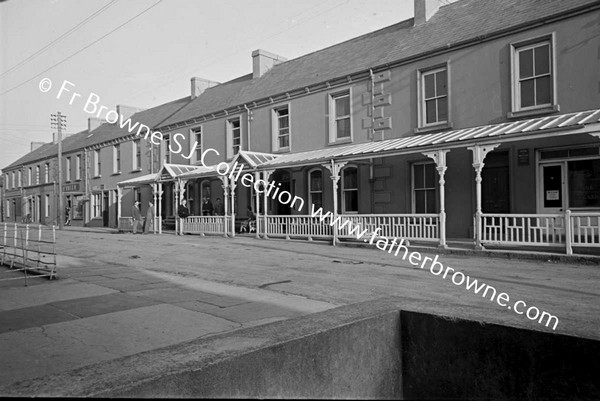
x=173, y=295
x=33, y=316
x=51, y=291
x=64, y=346
x=102, y=304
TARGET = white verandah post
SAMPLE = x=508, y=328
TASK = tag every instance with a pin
x=182, y=189
x=266, y=175
x=335, y=169
x=225, y=186
x=154, y=197
x=479, y=153
x=439, y=157
x=119, y=201
x=257, y=210
x=160, y=193
x=232, y=186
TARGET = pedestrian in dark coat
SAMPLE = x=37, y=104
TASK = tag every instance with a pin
x=136, y=215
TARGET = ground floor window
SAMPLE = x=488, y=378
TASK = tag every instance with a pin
x=47, y=204
x=315, y=188
x=584, y=183
x=424, y=188
x=96, y=205
x=7, y=208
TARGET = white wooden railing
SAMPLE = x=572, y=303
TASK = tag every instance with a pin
x=296, y=227
x=423, y=227
x=565, y=229
x=206, y=225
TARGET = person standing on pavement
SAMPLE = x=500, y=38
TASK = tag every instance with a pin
x=136, y=215
x=182, y=212
x=149, y=222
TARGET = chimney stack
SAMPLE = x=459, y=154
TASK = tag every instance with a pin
x=424, y=10
x=127, y=111
x=199, y=85
x=35, y=145
x=55, y=136
x=263, y=61
x=94, y=123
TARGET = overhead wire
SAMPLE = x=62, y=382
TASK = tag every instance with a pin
x=82, y=49
x=73, y=29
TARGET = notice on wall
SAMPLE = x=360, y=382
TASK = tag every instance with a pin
x=552, y=195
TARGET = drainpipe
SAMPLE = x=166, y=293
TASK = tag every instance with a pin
x=248, y=118
x=372, y=105
x=372, y=185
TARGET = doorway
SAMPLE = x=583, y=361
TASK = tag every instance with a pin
x=105, y=209
x=552, y=188
x=495, y=188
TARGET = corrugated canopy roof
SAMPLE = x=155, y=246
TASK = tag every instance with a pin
x=447, y=139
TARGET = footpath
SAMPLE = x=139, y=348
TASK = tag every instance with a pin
x=96, y=312
x=120, y=295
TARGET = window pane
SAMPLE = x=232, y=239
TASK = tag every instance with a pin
x=430, y=175
x=342, y=106
x=284, y=122
x=441, y=83
x=343, y=128
x=430, y=113
x=419, y=201
x=350, y=178
x=351, y=201
x=429, y=86
x=527, y=93
x=317, y=199
x=430, y=197
x=526, y=63
x=584, y=183
x=284, y=141
x=542, y=90
x=315, y=181
x=542, y=60
x=419, y=175
x=442, y=104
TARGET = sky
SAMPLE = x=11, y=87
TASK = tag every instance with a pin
x=142, y=53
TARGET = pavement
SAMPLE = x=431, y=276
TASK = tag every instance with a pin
x=119, y=295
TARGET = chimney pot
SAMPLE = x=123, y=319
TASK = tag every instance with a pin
x=263, y=61
x=127, y=111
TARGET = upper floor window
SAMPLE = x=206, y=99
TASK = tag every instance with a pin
x=424, y=188
x=533, y=75
x=167, y=142
x=68, y=169
x=137, y=155
x=117, y=158
x=197, y=138
x=29, y=175
x=47, y=173
x=37, y=174
x=78, y=167
x=340, y=126
x=19, y=179
x=350, y=190
x=433, y=107
x=315, y=188
x=281, y=128
x=234, y=134
x=97, y=163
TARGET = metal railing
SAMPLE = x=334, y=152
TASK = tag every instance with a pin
x=28, y=247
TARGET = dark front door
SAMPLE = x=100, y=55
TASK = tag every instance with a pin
x=495, y=189
x=282, y=177
x=105, y=210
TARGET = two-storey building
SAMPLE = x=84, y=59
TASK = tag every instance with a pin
x=475, y=118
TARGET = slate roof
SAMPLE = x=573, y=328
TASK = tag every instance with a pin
x=453, y=24
x=105, y=132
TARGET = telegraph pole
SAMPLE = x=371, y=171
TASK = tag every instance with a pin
x=59, y=122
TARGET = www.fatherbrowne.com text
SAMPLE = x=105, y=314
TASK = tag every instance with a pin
x=396, y=246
